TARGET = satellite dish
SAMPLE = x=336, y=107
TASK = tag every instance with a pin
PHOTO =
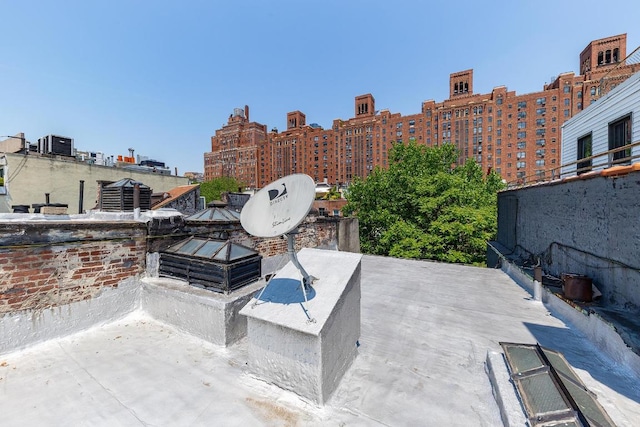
x=279, y=207
x=277, y=210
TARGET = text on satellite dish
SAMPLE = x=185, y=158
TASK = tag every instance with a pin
x=276, y=196
x=274, y=223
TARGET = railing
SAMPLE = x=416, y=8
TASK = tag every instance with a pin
x=599, y=161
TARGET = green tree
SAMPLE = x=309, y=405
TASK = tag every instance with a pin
x=212, y=190
x=332, y=194
x=425, y=207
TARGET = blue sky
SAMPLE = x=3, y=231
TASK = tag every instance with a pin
x=162, y=76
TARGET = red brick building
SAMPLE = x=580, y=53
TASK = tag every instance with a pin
x=516, y=135
x=235, y=149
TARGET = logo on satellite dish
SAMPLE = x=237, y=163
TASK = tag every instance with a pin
x=276, y=196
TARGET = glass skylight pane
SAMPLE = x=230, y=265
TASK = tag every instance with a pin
x=238, y=252
x=209, y=249
x=523, y=359
x=190, y=247
x=542, y=395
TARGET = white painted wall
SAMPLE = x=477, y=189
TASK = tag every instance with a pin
x=621, y=101
x=31, y=176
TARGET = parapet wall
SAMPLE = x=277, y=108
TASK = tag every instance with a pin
x=586, y=225
x=46, y=264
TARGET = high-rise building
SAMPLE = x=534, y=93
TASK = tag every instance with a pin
x=235, y=149
x=518, y=136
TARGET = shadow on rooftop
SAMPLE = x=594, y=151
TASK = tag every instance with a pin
x=560, y=339
x=285, y=291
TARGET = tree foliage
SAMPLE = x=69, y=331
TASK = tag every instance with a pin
x=332, y=194
x=212, y=190
x=424, y=207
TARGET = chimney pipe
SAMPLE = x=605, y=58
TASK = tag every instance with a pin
x=246, y=112
x=81, y=198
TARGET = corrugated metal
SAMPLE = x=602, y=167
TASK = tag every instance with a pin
x=621, y=101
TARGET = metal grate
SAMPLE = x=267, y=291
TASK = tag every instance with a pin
x=119, y=196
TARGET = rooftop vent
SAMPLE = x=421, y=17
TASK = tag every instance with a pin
x=119, y=196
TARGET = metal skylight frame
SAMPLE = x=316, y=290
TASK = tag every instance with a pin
x=551, y=392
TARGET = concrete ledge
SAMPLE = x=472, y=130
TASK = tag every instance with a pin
x=25, y=328
x=600, y=332
x=504, y=392
x=205, y=314
x=307, y=349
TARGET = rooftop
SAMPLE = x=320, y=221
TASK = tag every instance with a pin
x=426, y=331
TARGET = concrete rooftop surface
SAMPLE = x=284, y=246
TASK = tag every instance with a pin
x=425, y=333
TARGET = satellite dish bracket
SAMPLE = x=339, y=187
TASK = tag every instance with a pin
x=307, y=280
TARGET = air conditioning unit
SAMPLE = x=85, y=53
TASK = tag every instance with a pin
x=54, y=144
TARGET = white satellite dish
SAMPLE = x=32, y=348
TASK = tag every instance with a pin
x=279, y=207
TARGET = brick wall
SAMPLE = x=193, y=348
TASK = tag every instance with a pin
x=45, y=264
x=315, y=232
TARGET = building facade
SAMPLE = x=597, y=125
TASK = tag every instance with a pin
x=235, y=148
x=594, y=140
x=518, y=136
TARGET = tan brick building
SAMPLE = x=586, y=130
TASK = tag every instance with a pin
x=516, y=135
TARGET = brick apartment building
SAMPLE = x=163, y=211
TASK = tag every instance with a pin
x=518, y=136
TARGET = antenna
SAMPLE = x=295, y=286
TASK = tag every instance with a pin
x=278, y=209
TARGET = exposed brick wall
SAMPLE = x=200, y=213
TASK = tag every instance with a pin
x=314, y=232
x=48, y=264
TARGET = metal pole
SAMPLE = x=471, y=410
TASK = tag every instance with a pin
x=81, y=198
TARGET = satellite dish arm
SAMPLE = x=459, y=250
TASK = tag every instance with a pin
x=307, y=280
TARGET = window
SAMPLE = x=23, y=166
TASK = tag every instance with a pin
x=522, y=125
x=540, y=162
x=619, y=136
x=540, y=122
x=522, y=134
x=566, y=113
x=522, y=104
x=566, y=89
x=541, y=101
x=593, y=91
x=566, y=102
x=521, y=155
x=521, y=145
x=584, y=151
x=520, y=165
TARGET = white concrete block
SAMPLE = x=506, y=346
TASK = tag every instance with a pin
x=307, y=351
x=205, y=314
x=28, y=327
